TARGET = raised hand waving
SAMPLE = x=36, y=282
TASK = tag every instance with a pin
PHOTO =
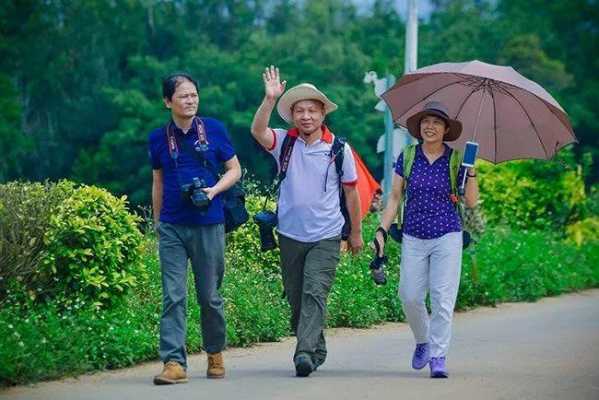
x=273, y=87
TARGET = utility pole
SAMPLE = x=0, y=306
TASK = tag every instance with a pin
x=399, y=135
x=411, y=60
x=410, y=64
x=388, y=159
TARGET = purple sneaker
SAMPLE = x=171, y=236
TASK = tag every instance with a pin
x=421, y=356
x=438, y=369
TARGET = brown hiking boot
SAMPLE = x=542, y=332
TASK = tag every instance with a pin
x=173, y=372
x=216, y=367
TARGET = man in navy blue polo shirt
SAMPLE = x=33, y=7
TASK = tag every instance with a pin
x=188, y=213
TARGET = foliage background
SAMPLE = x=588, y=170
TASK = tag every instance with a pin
x=82, y=107
x=80, y=90
x=61, y=331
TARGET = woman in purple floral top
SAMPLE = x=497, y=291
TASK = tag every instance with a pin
x=431, y=251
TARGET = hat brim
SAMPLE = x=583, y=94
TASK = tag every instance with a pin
x=299, y=93
x=413, y=125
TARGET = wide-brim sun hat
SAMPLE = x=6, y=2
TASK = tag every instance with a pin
x=303, y=91
x=437, y=109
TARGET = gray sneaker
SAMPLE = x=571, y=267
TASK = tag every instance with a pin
x=303, y=365
x=318, y=359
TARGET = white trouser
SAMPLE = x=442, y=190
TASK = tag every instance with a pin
x=435, y=265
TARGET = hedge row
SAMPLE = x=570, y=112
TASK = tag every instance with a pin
x=80, y=286
x=49, y=341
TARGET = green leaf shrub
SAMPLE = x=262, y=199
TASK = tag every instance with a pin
x=25, y=213
x=533, y=194
x=51, y=339
x=92, y=248
x=525, y=265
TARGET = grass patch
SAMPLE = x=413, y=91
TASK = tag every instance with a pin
x=51, y=340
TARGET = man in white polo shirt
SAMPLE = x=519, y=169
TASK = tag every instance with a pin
x=309, y=213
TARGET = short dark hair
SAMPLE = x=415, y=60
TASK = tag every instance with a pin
x=170, y=83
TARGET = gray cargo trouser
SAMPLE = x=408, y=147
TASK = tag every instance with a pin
x=204, y=245
x=308, y=271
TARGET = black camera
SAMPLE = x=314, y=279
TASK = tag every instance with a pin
x=377, y=270
x=194, y=193
x=377, y=265
x=266, y=220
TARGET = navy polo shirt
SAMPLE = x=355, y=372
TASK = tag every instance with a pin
x=175, y=209
x=429, y=212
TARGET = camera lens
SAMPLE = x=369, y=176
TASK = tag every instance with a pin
x=267, y=238
x=266, y=220
x=195, y=193
x=377, y=270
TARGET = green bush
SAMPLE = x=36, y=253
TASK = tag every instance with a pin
x=255, y=308
x=533, y=194
x=518, y=265
x=25, y=213
x=92, y=248
x=355, y=300
x=41, y=341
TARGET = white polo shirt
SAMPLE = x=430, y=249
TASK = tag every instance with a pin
x=307, y=210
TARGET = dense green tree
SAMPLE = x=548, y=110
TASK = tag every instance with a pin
x=80, y=81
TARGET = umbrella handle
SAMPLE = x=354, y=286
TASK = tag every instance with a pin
x=461, y=188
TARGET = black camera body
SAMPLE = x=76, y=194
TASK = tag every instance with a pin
x=266, y=221
x=193, y=192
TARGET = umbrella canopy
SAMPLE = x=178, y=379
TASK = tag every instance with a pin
x=511, y=117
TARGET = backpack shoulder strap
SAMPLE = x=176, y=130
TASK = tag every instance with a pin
x=409, y=155
x=338, y=153
x=455, y=160
x=285, y=155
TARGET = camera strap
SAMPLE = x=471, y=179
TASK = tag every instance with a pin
x=196, y=152
x=286, y=150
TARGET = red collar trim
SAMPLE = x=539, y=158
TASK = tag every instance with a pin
x=327, y=135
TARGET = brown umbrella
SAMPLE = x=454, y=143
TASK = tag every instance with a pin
x=511, y=117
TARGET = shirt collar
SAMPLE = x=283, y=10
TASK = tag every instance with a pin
x=327, y=135
x=446, y=150
x=179, y=131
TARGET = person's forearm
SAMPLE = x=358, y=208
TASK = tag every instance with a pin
x=352, y=202
x=472, y=194
x=390, y=212
x=156, y=201
x=229, y=178
x=262, y=118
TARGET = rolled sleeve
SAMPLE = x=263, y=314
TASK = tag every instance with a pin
x=154, y=155
x=274, y=141
x=225, y=151
x=279, y=137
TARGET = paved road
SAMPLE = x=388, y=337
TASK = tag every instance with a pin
x=544, y=350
